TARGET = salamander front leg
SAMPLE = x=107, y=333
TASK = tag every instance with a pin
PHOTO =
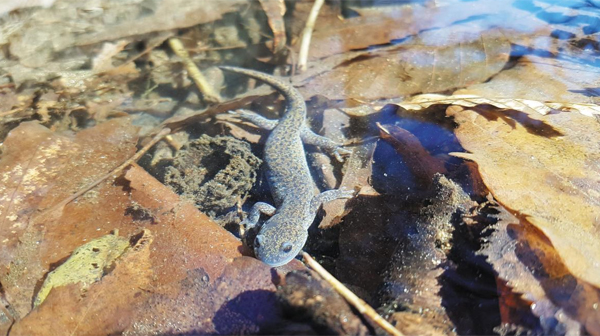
x=311, y=138
x=328, y=196
x=254, y=215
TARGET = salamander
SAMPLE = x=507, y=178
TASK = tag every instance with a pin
x=284, y=234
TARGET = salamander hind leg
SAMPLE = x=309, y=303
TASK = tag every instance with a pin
x=255, y=119
x=254, y=215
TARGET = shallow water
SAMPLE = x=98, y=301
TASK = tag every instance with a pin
x=473, y=127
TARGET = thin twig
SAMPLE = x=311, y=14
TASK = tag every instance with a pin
x=354, y=300
x=307, y=34
x=210, y=95
x=115, y=172
x=18, y=109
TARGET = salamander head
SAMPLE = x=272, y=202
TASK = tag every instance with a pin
x=278, y=243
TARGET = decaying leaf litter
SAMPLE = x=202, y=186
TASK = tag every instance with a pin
x=478, y=205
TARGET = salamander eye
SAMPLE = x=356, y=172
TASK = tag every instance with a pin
x=257, y=242
x=286, y=247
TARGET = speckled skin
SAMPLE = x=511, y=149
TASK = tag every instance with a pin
x=283, y=235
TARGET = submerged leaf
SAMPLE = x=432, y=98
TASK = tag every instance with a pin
x=434, y=61
x=86, y=265
x=546, y=169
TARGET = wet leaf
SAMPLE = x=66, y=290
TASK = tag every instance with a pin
x=358, y=173
x=86, y=265
x=380, y=25
x=513, y=258
x=106, y=307
x=178, y=122
x=211, y=248
x=181, y=251
x=275, y=9
x=242, y=299
x=103, y=61
x=422, y=165
x=544, y=168
x=39, y=169
x=436, y=60
x=10, y=5
x=543, y=79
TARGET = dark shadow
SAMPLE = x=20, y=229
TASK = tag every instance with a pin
x=468, y=286
x=560, y=12
x=140, y=214
x=472, y=18
x=250, y=312
x=562, y=35
x=574, y=296
x=590, y=92
x=588, y=23
x=512, y=117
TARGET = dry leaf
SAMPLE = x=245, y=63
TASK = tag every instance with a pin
x=526, y=105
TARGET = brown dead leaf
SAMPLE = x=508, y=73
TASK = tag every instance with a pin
x=184, y=253
x=103, y=61
x=545, y=168
x=188, y=252
x=10, y=5
x=9, y=100
x=105, y=308
x=39, y=169
x=513, y=258
x=422, y=165
x=185, y=237
x=247, y=131
x=162, y=18
x=241, y=300
x=275, y=9
x=54, y=29
x=434, y=61
x=542, y=79
x=378, y=25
